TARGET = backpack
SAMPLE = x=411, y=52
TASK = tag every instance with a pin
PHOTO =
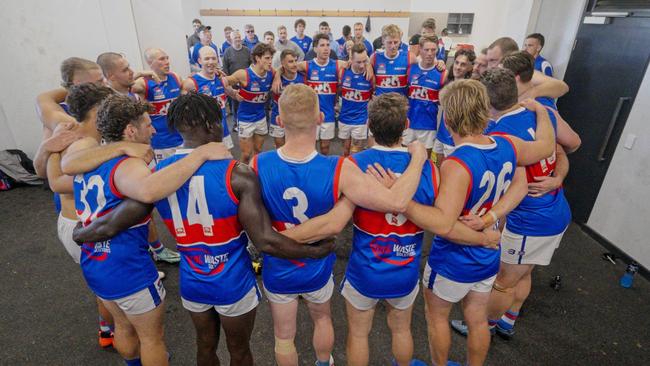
x=16, y=168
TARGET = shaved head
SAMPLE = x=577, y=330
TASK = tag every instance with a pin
x=152, y=53
x=206, y=51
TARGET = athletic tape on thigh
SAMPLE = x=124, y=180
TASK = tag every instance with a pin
x=284, y=346
x=499, y=288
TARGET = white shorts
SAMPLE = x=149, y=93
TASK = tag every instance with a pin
x=276, y=131
x=426, y=137
x=142, y=301
x=325, y=131
x=227, y=141
x=357, y=132
x=248, y=129
x=523, y=249
x=453, y=291
x=241, y=307
x=362, y=302
x=444, y=149
x=317, y=297
x=64, y=228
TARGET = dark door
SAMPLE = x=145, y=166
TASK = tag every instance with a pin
x=604, y=74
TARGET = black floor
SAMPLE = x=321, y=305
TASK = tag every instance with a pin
x=48, y=315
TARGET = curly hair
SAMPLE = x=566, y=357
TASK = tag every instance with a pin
x=191, y=111
x=501, y=88
x=116, y=112
x=84, y=97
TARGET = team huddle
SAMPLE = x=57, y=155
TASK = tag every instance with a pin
x=119, y=145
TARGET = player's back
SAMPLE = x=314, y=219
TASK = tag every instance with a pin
x=386, y=249
x=548, y=214
x=120, y=265
x=202, y=216
x=295, y=191
x=491, y=168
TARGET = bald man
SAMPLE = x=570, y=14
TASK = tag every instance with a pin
x=208, y=82
x=160, y=92
x=118, y=73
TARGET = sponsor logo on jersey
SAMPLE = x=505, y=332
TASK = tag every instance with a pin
x=385, y=248
x=381, y=68
x=314, y=75
x=255, y=86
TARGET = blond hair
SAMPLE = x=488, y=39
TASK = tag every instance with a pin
x=466, y=106
x=391, y=30
x=298, y=107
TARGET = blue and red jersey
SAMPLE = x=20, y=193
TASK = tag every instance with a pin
x=355, y=95
x=304, y=43
x=161, y=95
x=491, y=168
x=543, y=66
x=298, y=79
x=194, y=57
x=535, y=216
x=391, y=74
x=214, y=88
x=121, y=265
x=386, y=247
x=202, y=216
x=324, y=80
x=255, y=95
x=424, y=86
x=294, y=192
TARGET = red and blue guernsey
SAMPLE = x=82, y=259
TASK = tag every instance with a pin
x=490, y=168
x=355, y=95
x=214, y=88
x=161, y=96
x=386, y=247
x=121, y=265
x=391, y=74
x=424, y=86
x=294, y=192
x=202, y=215
x=543, y=66
x=324, y=80
x=535, y=216
x=255, y=95
x=304, y=43
x=298, y=79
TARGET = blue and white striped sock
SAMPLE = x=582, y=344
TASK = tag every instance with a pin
x=508, y=319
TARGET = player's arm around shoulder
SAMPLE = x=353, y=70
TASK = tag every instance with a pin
x=546, y=86
x=188, y=86
x=544, y=144
x=256, y=221
x=48, y=109
x=323, y=226
x=126, y=214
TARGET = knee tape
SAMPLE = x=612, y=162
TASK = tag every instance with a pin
x=284, y=346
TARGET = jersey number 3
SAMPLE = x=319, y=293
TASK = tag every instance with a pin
x=301, y=205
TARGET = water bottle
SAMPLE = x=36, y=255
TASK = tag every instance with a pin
x=628, y=276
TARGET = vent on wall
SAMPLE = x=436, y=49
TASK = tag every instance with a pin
x=460, y=23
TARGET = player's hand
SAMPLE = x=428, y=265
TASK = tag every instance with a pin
x=324, y=247
x=370, y=72
x=64, y=134
x=77, y=234
x=493, y=238
x=385, y=177
x=473, y=221
x=543, y=185
x=148, y=74
x=531, y=104
x=214, y=151
x=221, y=74
x=417, y=151
x=441, y=65
x=139, y=151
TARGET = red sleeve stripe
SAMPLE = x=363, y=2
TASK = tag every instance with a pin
x=146, y=89
x=196, y=85
x=228, y=180
x=514, y=148
x=462, y=163
x=337, y=177
x=434, y=180
x=111, y=180
x=254, y=163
